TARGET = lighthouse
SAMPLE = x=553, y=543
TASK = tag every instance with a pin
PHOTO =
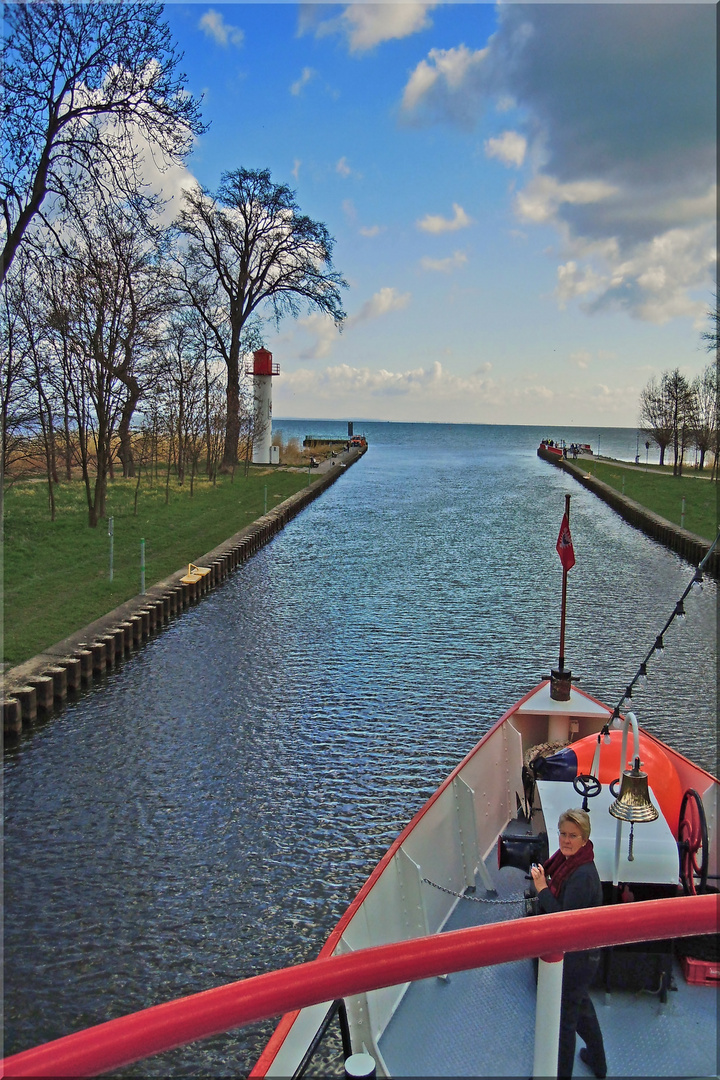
x=262, y=371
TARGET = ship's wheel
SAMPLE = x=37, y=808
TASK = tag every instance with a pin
x=693, y=844
x=588, y=786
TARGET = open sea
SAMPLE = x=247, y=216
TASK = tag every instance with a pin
x=209, y=810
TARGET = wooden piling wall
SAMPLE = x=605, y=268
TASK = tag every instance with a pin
x=44, y=683
x=690, y=546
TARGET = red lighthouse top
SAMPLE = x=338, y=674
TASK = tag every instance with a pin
x=263, y=364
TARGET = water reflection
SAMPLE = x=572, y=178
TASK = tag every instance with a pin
x=209, y=813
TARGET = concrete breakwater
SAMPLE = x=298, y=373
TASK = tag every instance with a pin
x=42, y=684
x=692, y=547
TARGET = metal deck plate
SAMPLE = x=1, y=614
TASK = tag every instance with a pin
x=482, y=1022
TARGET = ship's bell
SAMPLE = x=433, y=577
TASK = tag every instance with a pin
x=633, y=802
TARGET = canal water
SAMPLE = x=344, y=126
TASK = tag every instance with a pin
x=208, y=811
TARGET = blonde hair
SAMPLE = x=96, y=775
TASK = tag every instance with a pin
x=580, y=818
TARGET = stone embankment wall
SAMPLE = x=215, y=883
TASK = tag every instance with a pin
x=42, y=684
x=691, y=547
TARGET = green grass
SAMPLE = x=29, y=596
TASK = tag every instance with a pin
x=57, y=573
x=661, y=492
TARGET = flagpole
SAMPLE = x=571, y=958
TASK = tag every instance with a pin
x=563, y=606
x=560, y=677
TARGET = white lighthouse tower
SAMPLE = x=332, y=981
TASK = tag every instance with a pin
x=262, y=371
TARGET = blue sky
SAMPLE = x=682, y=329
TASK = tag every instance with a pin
x=522, y=196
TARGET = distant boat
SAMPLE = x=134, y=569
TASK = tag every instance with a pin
x=560, y=448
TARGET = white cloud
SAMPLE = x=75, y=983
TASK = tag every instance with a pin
x=324, y=334
x=385, y=300
x=442, y=77
x=343, y=168
x=510, y=148
x=296, y=167
x=351, y=214
x=653, y=282
x=573, y=281
x=371, y=230
x=299, y=85
x=435, y=392
x=214, y=26
x=431, y=383
x=540, y=200
x=618, y=120
x=444, y=266
x=582, y=358
x=366, y=25
x=435, y=223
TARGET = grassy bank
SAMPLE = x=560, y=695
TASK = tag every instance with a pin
x=658, y=490
x=57, y=573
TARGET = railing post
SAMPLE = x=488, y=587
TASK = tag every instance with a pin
x=547, y=1015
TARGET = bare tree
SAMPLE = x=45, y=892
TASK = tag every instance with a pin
x=86, y=310
x=710, y=375
x=28, y=336
x=17, y=411
x=656, y=416
x=84, y=86
x=677, y=393
x=710, y=336
x=142, y=301
x=704, y=399
x=250, y=247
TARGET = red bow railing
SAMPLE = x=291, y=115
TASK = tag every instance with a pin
x=176, y=1023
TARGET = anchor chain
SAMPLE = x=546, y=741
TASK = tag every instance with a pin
x=475, y=899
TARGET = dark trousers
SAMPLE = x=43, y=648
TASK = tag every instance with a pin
x=578, y=1013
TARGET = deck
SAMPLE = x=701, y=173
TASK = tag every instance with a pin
x=482, y=1022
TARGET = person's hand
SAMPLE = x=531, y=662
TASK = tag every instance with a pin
x=538, y=875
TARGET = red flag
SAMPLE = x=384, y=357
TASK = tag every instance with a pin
x=565, y=545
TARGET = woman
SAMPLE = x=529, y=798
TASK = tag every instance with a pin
x=569, y=880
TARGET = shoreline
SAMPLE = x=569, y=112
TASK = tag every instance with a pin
x=689, y=545
x=41, y=685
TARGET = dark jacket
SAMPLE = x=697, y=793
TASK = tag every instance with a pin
x=582, y=889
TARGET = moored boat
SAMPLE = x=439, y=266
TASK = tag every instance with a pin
x=449, y=896
x=550, y=446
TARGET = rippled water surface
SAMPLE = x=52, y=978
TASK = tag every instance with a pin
x=208, y=812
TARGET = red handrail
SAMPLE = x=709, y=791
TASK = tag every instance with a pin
x=176, y=1023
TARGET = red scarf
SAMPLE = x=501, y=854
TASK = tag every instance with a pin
x=558, y=868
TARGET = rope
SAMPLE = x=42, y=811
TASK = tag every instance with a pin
x=475, y=899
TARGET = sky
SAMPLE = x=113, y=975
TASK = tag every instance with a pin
x=522, y=196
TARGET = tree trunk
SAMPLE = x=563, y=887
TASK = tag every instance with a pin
x=125, y=453
x=68, y=448
x=232, y=424
x=98, y=507
x=181, y=435
x=208, y=430
x=50, y=478
x=137, y=490
x=52, y=461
